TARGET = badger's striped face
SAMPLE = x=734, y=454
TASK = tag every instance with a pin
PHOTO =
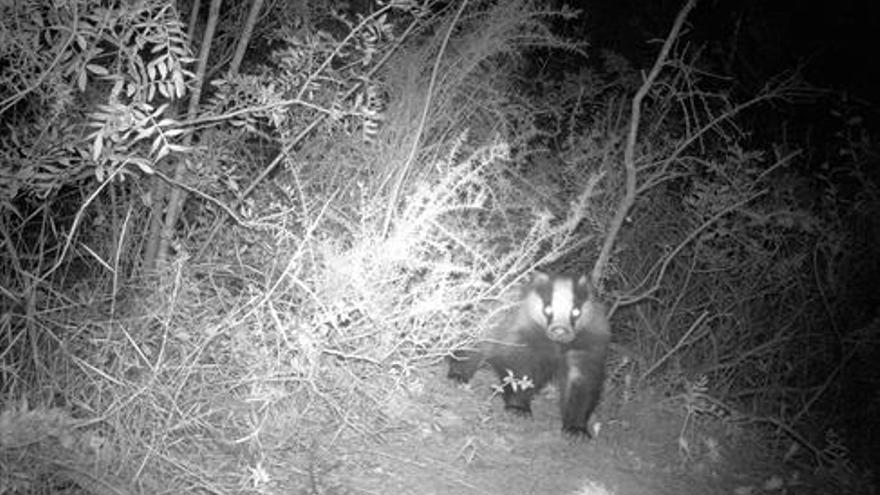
x=558, y=303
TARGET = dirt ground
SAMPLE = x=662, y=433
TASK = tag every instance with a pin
x=458, y=440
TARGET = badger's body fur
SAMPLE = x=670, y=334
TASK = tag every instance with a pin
x=559, y=331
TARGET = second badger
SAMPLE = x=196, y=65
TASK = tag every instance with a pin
x=559, y=331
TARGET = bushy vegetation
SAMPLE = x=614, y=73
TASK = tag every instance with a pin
x=186, y=291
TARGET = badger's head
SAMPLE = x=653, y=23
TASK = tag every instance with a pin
x=562, y=304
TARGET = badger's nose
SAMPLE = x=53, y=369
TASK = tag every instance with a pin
x=560, y=333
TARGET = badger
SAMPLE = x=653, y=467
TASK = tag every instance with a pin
x=559, y=331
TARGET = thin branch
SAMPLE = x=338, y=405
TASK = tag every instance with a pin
x=223, y=206
x=401, y=178
x=77, y=219
x=681, y=343
x=629, y=152
x=176, y=197
x=12, y=100
x=338, y=49
x=320, y=118
x=245, y=38
x=693, y=235
x=293, y=143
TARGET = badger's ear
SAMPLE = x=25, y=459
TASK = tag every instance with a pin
x=539, y=278
x=584, y=283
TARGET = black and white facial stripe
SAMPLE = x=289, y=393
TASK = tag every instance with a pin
x=557, y=303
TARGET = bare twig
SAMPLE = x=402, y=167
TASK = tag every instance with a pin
x=245, y=38
x=666, y=260
x=177, y=196
x=223, y=206
x=629, y=152
x=681, y=343
x=404, y=171
x=77, y=219
x=342, y=44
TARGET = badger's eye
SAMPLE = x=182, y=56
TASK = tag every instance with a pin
x=548, y=311
x=575, y=313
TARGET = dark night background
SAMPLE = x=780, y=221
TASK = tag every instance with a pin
x=756, y=39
